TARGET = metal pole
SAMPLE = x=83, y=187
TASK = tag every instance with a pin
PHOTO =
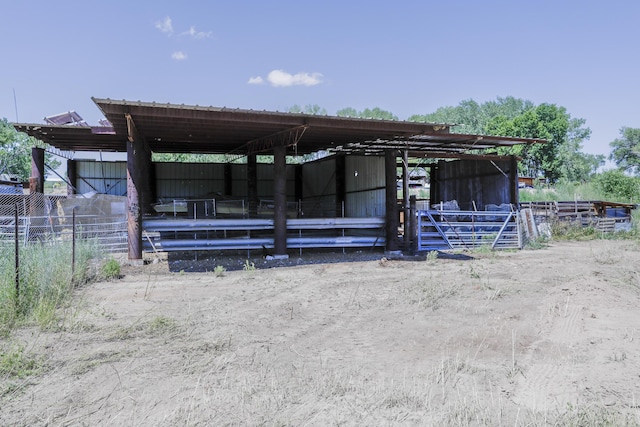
x=17, y=255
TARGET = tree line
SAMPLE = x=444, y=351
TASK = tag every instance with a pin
x=561, y=159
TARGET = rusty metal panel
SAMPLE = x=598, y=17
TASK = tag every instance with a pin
x=473, y=183
x=364, y=173
x=101, y=177
x=363, y=204
x=319, y=179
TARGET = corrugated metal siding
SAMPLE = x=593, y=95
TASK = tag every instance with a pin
x=189, y=180
x=319, y=179
x=103, y=177
x=364, y=173
x=473, y=181
x=365, y=204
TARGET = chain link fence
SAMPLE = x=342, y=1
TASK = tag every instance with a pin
x=45, y=218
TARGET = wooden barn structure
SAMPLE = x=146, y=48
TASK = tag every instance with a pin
x=356, y=176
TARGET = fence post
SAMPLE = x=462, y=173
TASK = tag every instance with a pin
x=17, y=255
x=73, y=243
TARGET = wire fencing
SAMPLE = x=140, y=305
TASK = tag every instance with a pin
x=50, y=219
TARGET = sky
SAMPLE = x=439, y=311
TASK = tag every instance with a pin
x=406, y=57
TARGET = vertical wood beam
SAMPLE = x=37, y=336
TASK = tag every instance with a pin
x=406, y=227
x=341, y=183
x=513, y=177
x=72, y=177
x=252, y=184
x=228, y=179
x=391, y=203
x=280, y=200
x=36, y=181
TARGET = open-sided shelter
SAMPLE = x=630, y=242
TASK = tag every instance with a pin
x=355, y=147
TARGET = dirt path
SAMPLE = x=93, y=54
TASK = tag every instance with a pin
x=499, y=338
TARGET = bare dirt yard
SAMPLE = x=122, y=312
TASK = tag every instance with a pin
x=533, y=337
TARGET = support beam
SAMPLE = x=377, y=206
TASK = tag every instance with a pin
x=72, y=177
x=252, y=185
x=139, y=193
x=406, y=233
x=341, y=183
x=513, y=178
x=36, y=181
x=280, y=201
x=391, y=204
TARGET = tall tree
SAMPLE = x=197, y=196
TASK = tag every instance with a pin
x=626, y=150
x=563, y=133
x=308, y=109
x=15, y=152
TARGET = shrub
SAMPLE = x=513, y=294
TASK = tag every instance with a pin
x=111, y=269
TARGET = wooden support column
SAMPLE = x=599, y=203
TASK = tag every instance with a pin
x=138, y=188
x=513, y=186
x=391, y=204
x=280, y=201
x=228, y=179
x=72, y=177
x=252, y=184
x=406, y=227
x=36, y=181
x=341, y=183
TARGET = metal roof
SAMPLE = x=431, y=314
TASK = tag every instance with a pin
x=173, y=128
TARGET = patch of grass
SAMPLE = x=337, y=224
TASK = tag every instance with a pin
x=110, y=270
x=15, y=363
x=432, y=256
x=249, y=266
x=46, y=281
x=219, y=271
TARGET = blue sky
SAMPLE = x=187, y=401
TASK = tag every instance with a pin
x=407, y=57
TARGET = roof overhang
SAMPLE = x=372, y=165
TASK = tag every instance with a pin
x=172, y=128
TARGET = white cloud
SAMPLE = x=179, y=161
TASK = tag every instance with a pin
x=196, y=34
x=280, y=78
x=179, y=56
x=256, y=80
x=165, y=26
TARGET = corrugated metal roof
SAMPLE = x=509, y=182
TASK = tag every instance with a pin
x=183, y=128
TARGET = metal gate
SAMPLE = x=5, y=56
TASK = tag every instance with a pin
x=440, y=229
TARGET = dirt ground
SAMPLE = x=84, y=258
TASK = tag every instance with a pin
x=533, y=337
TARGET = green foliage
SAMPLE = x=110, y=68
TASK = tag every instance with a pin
x=367, y=113
x=219, y=271
x=46, y=280
x=564, y=137
x=15, y=152
x=626, y=150
x=471, y=117
x=618, y=187
x=249, y=266
x=308, y=109
x=563, y=191
x=15, y=363
x=110, y=269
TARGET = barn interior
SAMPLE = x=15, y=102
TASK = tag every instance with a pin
x=289, y=181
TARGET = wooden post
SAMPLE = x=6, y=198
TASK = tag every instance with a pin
x=391, y=202
x=406, y=226
x=72, y=177
x=17, y=254
x=413, y=228
x=36, y=181
x=252, y=184
x=341, y=183
x=134, y=212
x=280, y=201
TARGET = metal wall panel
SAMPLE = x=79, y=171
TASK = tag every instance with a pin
x=101, y=177
x=473, y=183
x=365, y=204
x=364, y=173
x=189, y=180
x=319, y=179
